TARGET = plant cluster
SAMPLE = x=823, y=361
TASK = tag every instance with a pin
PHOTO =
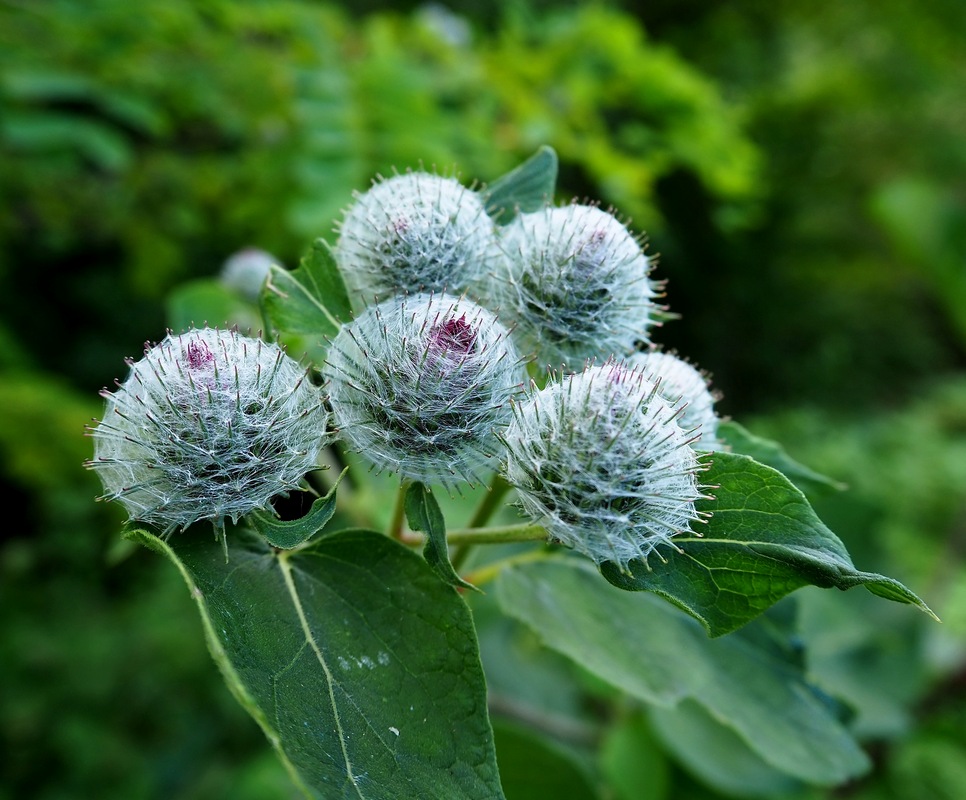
x=427, y=367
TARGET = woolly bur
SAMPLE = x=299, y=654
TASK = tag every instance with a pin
x=576, y=284
x=419, y=385
x=600, y=460
x=412, y=233
x=682, y=384
x=209, y=424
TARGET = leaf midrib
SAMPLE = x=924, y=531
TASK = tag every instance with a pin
x=286, y=568
x=301, y=284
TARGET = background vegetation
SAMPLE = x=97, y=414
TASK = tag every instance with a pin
x=801, y=170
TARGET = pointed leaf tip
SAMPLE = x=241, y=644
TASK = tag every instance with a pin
x=526, y=188
x=424, y=514
x=762, y=542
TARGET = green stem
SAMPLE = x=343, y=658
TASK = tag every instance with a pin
x=524, y=532
x=399, y=512
x=488, y=572
x=490, y=503
x=495, y=493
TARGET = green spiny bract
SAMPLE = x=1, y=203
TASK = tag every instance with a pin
x=208, y=424
x=576, y=285
x=420, y=384
x=600, y=459
x=416, y=232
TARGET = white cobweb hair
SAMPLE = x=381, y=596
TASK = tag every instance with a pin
x=684, y=385
x=600, y=459
x=209, y=424
x=419, y=386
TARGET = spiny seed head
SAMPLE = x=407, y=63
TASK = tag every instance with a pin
x=420, y=384
x=682, y=384
x=416, y=232
x=209, y=424
x=576, y=284
x=600, y=459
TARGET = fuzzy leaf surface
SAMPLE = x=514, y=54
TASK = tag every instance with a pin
x=359, y=664
x=526, y=188
x=287, y=534
x=655, y=653
x=423, y=514
x=762, y=542
x=308, y=303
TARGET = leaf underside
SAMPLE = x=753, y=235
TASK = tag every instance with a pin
x=359, y=664
x=644, y=647
x=762, y=542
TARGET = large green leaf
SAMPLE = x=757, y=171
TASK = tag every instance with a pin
x=308, y=304
x=766, y=451
x=653, y=652
x=723, y=762
x=526, y=188
x=762, y=542
x=360, y=665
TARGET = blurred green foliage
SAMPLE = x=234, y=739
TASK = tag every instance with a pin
x=800, y=167
x=143, y=148
x=848, y=289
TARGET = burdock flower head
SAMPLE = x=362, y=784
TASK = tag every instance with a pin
x=577, y=284
x=416, y=232
x=209, y=424
x=682, y=384
x=420, y=384
x=600, y=459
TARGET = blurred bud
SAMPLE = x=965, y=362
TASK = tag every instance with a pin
x=600, y=459
x=415, y=233
x=209, y=424
x=684, y=386
x=577, y=284
x=420, y=384
x=246, y=270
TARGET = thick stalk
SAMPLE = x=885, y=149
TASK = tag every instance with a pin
x=396, y=523
x=488, y=572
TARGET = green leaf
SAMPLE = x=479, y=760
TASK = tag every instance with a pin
x=359, y=664
x=423, y=514
x=653, y=652
x=309, y=303
x=762, y=542
x=723, y=762
x=526, y=188
x=633, y=763
x=772, y=454
x=534, y=766
x=287, y=534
